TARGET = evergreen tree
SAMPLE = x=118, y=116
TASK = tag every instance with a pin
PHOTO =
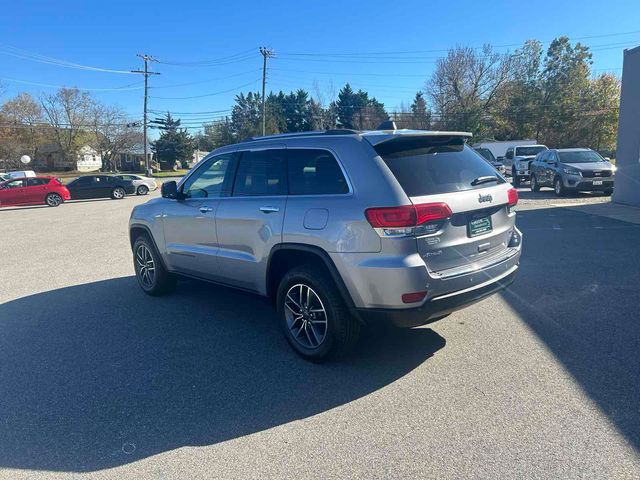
x=420, y=115
x=296, y=107
x=175, y=146
x=166, y=123
x=356, y=110
x=566, y=85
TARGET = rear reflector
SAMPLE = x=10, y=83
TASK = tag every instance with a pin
x=413, y=297
x=407, y=215
x=512, y=195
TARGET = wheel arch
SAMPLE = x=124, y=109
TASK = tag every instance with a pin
x=137, y=229
x=285, y=256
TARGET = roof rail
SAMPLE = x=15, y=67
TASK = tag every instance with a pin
x=312, y=133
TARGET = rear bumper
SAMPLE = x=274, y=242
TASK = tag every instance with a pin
x=438, y=307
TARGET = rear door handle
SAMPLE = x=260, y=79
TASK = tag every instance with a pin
x=206, y=209
x=269, y=209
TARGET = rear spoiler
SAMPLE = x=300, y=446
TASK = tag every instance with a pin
x=377, y=137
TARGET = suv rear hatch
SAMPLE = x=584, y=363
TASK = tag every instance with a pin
x=474, y=221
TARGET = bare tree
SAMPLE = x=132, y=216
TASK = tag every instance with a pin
x=324, y=114
x=69, y=113
x=23, y=130
x=465, y=85
x=113, y=133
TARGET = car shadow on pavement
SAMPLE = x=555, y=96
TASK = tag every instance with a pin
x=577, y=289
x=99, y=375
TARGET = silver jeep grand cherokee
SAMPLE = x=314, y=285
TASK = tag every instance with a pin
x=339, y=229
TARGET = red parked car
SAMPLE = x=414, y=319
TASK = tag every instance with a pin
x=33, y=191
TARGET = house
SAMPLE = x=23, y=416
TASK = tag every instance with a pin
x=132, y=159
x=197, y=156
x=50, y=158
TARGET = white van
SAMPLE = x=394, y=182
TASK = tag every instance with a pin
x=22, y=173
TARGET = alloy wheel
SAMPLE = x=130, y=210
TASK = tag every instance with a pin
x=54, y=200
x=306, y=316
x=146, y=266
x=118, y=193
x=558, y=187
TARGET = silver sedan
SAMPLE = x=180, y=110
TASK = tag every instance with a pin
x=143, y=185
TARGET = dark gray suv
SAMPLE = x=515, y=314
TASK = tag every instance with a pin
x=338, y=229
x=571, y=170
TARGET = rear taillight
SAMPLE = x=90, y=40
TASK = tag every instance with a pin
x=429, y=212
x=389, y=217
x=512, y=196
x=402, y=220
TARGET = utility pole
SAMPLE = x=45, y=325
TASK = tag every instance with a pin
x=266, y=53
x=146, y=73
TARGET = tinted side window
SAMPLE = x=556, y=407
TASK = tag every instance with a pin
x=314, y=172
x=209, y=179
x=36, y=182
x=261, y=173
x=83, y=181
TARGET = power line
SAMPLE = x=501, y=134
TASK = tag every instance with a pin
x=160, y=112
x=344, y=54
x=235, y=58
x=24, y=54
x=208, y=94
x=48, y=85
x=206, y=81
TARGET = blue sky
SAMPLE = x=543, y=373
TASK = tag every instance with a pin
x=109, y=34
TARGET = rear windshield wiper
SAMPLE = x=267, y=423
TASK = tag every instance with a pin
x=481, y=180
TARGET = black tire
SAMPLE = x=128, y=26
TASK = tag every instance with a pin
x=516, y=178
x=53, y=200
x=160, y=282
x=342, y=329
x=535, y=187
x=558, y=187
x=118, y=193
x=142, y=190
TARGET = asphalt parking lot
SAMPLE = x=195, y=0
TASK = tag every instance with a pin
x=98, y=380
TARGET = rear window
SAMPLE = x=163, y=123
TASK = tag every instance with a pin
x=529, y=151
x=431, y=165
x=486, y=153
x=314, y=172
x=36, y=182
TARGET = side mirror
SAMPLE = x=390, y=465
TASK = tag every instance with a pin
x=169, y=190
